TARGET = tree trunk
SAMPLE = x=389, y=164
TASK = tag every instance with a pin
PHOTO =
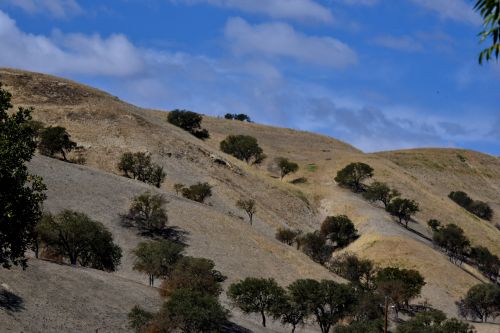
x=263, y=318
x=63, y=154
x=251, y=218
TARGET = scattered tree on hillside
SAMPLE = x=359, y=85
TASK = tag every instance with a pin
x=178, y=188
x=197, y=192
x=286, y=167
x=237, y=116
x=80, y=239
x=188, y=121
x=195, y=274
x=189, y=310
x=372, y=326
x=287, y=236
x=290, y=312
x=487, y=262
x=482, y=301
x=478, y=208
x=403, y=209
x=461, y=198
x=452, y=240
x=157, y=258
x=255, y=295
x=147, y=212
x=490, y=12
x=139, y=166
x=21, y=193
x=138, y=319
x=353, y=174
x=339, y=230
x=314, y=245
x=327, y=301
x=248, y=206
x=361, y=272
x=244, y=148
x=379, y=191
x=434, y=321
x=55, y=140
x=434, y=224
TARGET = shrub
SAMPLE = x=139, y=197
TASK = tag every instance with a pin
x=314, y=245
x=435, y=225
x=80, y=239
x=352, y=176
x=452, y=240
x=373, y=326
x=139, y=166
x=21, y=193
x=194, y=274
x=188, y=121
x=147, y=212
x=157, y=258
x=476, y=207
x=286, y=167
x=434, y=321
x=460, y=198
x=379, y=191
x=487, y=262
x=339, y=230
x=55, y=140
x=248, y=206
x=482, y=301
x=198, y=192
x=139, y=318
x=244, y=148
x=237, y=116
x=254, y=295
x=287, y=236
x=403, y=209
x=361, y=272
x=178, y=188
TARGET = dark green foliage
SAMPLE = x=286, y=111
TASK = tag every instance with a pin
x=55, y=140
x=373, y=326
x=80, y=239
x=244, y=148
x=157, y=258
x=248, y=206
x=487, y=262
x=198, y=192
x=361, y=272
x=476, y=207
x=286, y=167
x=254, y=295
x=400, y=285
x=434, y=321
x=192, y=311
x=147, y=212
x=290, y=313
x=327, y=301
x=402, y=209
x=339, y=230
x=379, y=191
x=287, y=236
x=139, y=318
x=435, y=225
x=178, y=188
x=490, y=12
x=352, y=176
x=21, y=194
x=139, y=166
x=482, y=301
x=237, y=116
x=452, y=240
x=188, y=121
x=195, y=274
x=314, y=245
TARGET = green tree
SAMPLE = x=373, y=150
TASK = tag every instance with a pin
x=248, y=206
x=178, y=188
x=157, y=258
x=287, y=236
x=451, y=238
x=244, y=148
x=21, y=193
x=138, y=318
x=257, y=295
x=328, y=301
x=188, y=121
x=286, y=167
x=192, y=311
x=379, y=191
x=399, y=284
x=487, y=262
x=403, y=209
x=361, y=272
x=460, y=198
x=434, y=321
x=339, y=230
x=353, y=174
x=373, y=326
x=434, y=224
x=482, y=301
x=140, y=166
x=55, y=140
x=490, y=12
x=80, y=239
x=197, y=192
x=148, y=212
x=481, y=209
x=290, y=312
x=195, y=274
x=314, y=245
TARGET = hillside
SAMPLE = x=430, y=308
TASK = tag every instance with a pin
x=106, y=127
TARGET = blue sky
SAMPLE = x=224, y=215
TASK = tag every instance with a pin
x=379, y=74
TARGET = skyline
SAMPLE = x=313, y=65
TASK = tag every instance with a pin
x=349, y=69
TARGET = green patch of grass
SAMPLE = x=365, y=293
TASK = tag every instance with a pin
x=312, y=167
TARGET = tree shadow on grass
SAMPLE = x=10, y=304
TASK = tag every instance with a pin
x=231, y=327
x=10, y=301
x=171, y=233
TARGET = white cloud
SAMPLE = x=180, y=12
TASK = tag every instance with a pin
x=401, y=43
x=57, y=8
x=458, y=10
x=285, y=9
x=67, y=53
x=282, y=40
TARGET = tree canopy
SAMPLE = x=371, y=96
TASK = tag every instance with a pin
x=353, y=174
x=249, y=206
x=140, y=166
x=490, y=12
x=148, y=212
x=243, y=147
x=188, y=121
x=339, y=230
x=403, y=209
x=55, y=140
x=286, y=167
x=482, y=301
x=379, y=191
